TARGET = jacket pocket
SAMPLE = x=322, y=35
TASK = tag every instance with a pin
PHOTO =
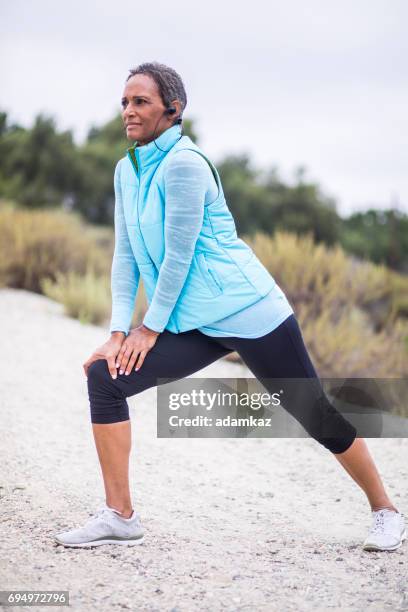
x=209, y=275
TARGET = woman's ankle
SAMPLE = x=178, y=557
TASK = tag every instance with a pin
x=125, y=511
x=382, y=507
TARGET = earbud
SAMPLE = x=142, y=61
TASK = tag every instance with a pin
x=168, y=111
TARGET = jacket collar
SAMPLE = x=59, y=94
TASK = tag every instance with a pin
x=149, y=154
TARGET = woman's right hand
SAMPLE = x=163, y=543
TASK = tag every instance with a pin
x=109, y=351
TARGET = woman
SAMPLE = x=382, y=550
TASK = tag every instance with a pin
x=208, y=296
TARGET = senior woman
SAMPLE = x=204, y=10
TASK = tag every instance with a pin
x=208, y=295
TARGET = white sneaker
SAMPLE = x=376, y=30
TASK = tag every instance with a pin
x=105, y=527
x=387, y=530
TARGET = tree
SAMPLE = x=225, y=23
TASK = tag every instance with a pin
x=39, y=166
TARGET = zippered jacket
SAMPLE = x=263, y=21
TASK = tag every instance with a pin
x=223, y=274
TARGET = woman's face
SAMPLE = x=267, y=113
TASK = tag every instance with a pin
x=142, y=109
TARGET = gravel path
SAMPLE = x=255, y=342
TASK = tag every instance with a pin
x=231, y=524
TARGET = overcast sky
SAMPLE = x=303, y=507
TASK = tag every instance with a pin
x=320, y=83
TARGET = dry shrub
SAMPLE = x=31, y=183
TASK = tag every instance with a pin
x=54, y=252
x=39, y=243
x=351, y=312
x=85, y=296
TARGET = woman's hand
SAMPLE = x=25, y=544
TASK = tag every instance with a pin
x=108, y=351
x=135, y=347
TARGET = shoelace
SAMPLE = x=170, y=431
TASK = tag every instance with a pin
x=378, y=526
x=102, y=510
x=99, y=512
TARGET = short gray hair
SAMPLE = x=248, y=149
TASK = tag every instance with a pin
x=168, y=81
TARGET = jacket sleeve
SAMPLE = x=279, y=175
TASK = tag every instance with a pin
x=187, y=181
x=125, y=274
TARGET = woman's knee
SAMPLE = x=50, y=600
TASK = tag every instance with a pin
x=106, y=400
x=332, y=429
x=97, y=372
x=100, y=381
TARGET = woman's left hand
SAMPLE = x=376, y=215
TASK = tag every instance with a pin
x=135, y=348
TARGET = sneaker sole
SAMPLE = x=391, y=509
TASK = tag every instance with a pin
x=134, y=542
x=374, y=547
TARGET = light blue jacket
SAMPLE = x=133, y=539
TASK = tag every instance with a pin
x=224, y=275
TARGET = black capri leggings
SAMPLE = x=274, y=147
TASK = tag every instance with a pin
x=279, y=354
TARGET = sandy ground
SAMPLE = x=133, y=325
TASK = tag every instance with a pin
x=231, y=524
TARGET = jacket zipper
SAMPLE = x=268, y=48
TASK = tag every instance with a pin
x=136, y=165
x=214, y=279
x=134, y=158
x=132, y=154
